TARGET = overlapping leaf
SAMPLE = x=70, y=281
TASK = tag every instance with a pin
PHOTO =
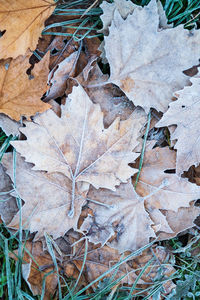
x=37, y=267
x=21, y=23
x=20, y=94
x=58, y=77
x=9, y=126
x=185, y=113
x=122, y=212
x=46, y=197
x=37, y=264
x=112, y=101
x=169, y=192
x=84, y=150
x=122, y=6
x=83, y=153
x=133, y=218
x=8, y=205
x=145, y=69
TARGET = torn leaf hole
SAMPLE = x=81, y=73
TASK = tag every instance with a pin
x=170, y=171
x=43, y=96
x=54, y=51
x=2, y=32
x=30, y=77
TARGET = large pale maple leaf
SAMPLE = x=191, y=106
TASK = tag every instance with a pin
x=20, y=94
x=21, y=23
x=185, y=113
x=132, y=218
x=79, y=147
x=147, y=62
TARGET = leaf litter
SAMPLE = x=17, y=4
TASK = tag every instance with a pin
x=76, y=163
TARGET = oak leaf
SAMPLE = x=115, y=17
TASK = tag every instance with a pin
x=185, y=113
x=137, y=53
x=136, y=218
x=19, y=94
x=84, y=150
x=22, y=22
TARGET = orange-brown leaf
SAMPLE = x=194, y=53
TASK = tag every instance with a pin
x=19, y=95
x=35, y=268
x=22, y=22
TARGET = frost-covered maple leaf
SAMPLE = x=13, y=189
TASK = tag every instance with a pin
x=185, y=113
x=146, y=61
x=126, y=220
x=69, y=154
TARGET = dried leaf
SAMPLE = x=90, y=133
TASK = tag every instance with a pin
x=162, y=195
x=112, y=101
x=124, y=8
x=82, y=153
x=184, y=112
x=197, y=175
x=103, y=257
x=168, y=191
x=46, y=197
x=8, y=125
x=34, y=274
x=83, y=150
x=138, y=65
x=100, y=260
x=8, y=205
x=163, y=267
x=19, y=95
x=179, y=221
x=22, y=22
x=55, y=107
x=122, y=212
x=63, y=46
x=58, y=77
x=163, y=21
